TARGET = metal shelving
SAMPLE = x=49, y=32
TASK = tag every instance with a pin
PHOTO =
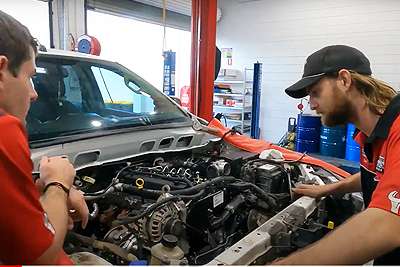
x=247, y=108
x=237, y=113
x=226, y=94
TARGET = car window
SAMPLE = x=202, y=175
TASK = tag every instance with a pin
x=72, y=86
x=78, y=96
x=119, y=95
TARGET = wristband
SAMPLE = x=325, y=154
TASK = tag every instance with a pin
x=58, y=184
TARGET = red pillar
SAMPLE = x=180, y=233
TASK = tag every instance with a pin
x=204, y=13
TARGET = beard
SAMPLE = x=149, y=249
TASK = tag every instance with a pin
x=341, y=113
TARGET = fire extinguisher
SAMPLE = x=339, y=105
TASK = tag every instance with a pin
x=185, y=96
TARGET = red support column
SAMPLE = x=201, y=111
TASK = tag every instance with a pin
x=204, y=13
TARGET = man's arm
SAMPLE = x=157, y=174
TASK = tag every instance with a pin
x=54, y=202
x=78, y=209
x=364, y=237
x=349, y=185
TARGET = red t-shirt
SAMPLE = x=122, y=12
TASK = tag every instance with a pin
x=25, y=230
x=380, y=169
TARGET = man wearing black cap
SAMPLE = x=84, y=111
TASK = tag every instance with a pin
x=339, y=83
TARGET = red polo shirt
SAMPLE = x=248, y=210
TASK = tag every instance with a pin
x=380, y=168
x=25, y=231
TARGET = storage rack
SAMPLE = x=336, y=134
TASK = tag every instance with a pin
x=237, y=114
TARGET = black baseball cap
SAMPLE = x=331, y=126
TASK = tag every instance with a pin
x=328, y=60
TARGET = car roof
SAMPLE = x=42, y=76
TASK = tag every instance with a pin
x=72, y=54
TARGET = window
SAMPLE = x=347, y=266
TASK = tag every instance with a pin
x=72, y=86
x=77, y=96
x=121, y=95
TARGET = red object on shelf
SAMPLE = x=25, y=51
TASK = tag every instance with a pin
x=185, y=97
x=230, y=102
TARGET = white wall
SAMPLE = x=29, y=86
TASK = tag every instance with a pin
x=281, y=34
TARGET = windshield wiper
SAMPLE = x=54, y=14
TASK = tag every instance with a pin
x=147, y=120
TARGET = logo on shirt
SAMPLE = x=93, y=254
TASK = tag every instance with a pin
x=392, y=196
x=380, y=164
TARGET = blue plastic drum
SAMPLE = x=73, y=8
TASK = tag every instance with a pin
x=333, y=141
x=307, y=133
x=352, y=148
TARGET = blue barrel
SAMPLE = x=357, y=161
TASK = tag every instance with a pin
x=307, y=133
x=352, y=148
x=333, y=141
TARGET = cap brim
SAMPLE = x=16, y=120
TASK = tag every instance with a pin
x=299, y=89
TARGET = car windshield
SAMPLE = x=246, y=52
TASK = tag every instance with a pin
x=84, y=96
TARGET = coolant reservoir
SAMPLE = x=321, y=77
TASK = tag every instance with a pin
x=167, y=252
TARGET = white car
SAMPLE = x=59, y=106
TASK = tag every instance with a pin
x=151, y=173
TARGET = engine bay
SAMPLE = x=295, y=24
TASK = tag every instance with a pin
x=188, y=207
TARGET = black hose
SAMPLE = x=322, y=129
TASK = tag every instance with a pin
x=169, y=178
x=268, y=197
x=104, y=191
x=99, y=193
x=151, y=193
x=144, y=192
x=186, y=191
x=229, y=210
x=201, y=186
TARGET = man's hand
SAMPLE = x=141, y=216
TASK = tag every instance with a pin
x=349, y=185
x=79, y=211
x=61, y=170
x=56, y=169
x=316, y=191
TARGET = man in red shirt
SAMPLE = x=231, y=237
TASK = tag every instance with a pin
x=341, y=89
x=33, y=225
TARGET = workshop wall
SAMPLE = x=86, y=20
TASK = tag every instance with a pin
x=281, y=34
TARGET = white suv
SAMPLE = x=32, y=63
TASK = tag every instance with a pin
x=153, y=180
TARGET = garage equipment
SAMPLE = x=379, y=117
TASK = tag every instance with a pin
x=255, y=111
x=333, y=141
x=352, y=148
x=307, y=133
x=88, y=44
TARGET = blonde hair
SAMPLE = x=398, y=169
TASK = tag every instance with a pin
x=378, y=94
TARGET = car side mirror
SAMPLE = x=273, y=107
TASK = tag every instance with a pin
x=131, y=85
